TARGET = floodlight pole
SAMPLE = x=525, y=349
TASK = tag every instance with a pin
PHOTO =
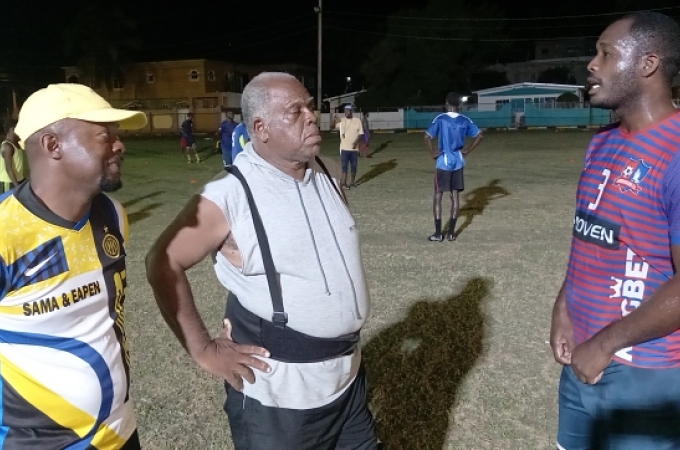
x=319, y=101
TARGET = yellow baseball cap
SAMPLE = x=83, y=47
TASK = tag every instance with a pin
x=71, y=101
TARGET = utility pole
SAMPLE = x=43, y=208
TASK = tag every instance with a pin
x=319, y=100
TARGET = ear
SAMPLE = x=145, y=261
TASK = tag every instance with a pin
x=261, y=129
x=650, y=64
x=50, y=145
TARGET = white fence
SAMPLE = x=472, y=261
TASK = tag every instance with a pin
x=392, y=120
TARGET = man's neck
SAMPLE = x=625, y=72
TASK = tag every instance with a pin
x=69, y=204
x=294, y=169
x=645, y=111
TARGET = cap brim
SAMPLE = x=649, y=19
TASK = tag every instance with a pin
x=127, y=120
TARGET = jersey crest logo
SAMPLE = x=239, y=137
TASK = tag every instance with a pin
x=631, y=177
x=110, y=245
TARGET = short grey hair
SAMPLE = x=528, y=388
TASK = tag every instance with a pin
x=255, y=98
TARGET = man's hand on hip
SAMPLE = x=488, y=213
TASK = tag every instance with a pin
x=231, y=361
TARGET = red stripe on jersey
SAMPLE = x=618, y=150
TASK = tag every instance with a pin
x=621, y=191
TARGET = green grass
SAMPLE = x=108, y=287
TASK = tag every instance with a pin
x=455, y=344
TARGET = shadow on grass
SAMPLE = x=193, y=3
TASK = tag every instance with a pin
x=380, y=148
x=134, y=201
x=416, y=366
x=143, y=213
x=658, y=425
x=476, y=202
x=208, y=153
x=377, y=170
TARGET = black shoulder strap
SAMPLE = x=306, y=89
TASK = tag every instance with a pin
x=280, y=317
x=330, y=178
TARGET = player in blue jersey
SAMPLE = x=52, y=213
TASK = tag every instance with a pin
x=224, y=132
x=239, y=139
x=188, y=140
x=616, y=320
x=451, y=129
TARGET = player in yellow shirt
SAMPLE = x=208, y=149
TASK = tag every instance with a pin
x=12, y=171
x=351, y=132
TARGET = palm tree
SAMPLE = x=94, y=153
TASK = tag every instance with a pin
x=102, y=44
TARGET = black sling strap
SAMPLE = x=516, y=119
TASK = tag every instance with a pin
x=283, y=343
x=330, y=178
x=280, y=317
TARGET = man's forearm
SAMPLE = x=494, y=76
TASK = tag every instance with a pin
x=428, y=144
x=175, y=300
x=8, y=157
x=656, y=317
x=475, y=143
x=561, y=299
x=13, y=175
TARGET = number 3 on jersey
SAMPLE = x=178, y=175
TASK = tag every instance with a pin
x=600, y=189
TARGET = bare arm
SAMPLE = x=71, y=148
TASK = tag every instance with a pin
x=198, y=230
x=428, y=143
x=561, y=331
x=657, y=316
x=7, y=155
x=477, y=139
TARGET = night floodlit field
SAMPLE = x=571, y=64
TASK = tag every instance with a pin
x=455, y=346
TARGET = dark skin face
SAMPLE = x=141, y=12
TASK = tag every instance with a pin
x=95, y=153
x=72, y=161
x=290, y=138
x=613, y=77
x=627, y=81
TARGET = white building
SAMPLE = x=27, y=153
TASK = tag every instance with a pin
x=518, y=94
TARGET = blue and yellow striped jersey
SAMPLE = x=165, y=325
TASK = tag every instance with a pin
x=64, y=362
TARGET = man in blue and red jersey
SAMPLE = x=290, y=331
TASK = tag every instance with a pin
x=616, y=320
x=452, y=129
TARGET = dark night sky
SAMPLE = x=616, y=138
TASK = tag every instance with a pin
x=269, y=31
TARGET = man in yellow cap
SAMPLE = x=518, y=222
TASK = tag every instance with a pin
x=64, y=363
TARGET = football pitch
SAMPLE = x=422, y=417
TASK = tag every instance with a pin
x=455, y=346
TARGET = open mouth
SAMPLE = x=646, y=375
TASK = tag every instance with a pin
x=115, y=162
x=593, y=86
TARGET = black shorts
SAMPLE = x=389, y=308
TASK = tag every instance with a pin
x=345, y=423
x=132, y=443
x=448, y=181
